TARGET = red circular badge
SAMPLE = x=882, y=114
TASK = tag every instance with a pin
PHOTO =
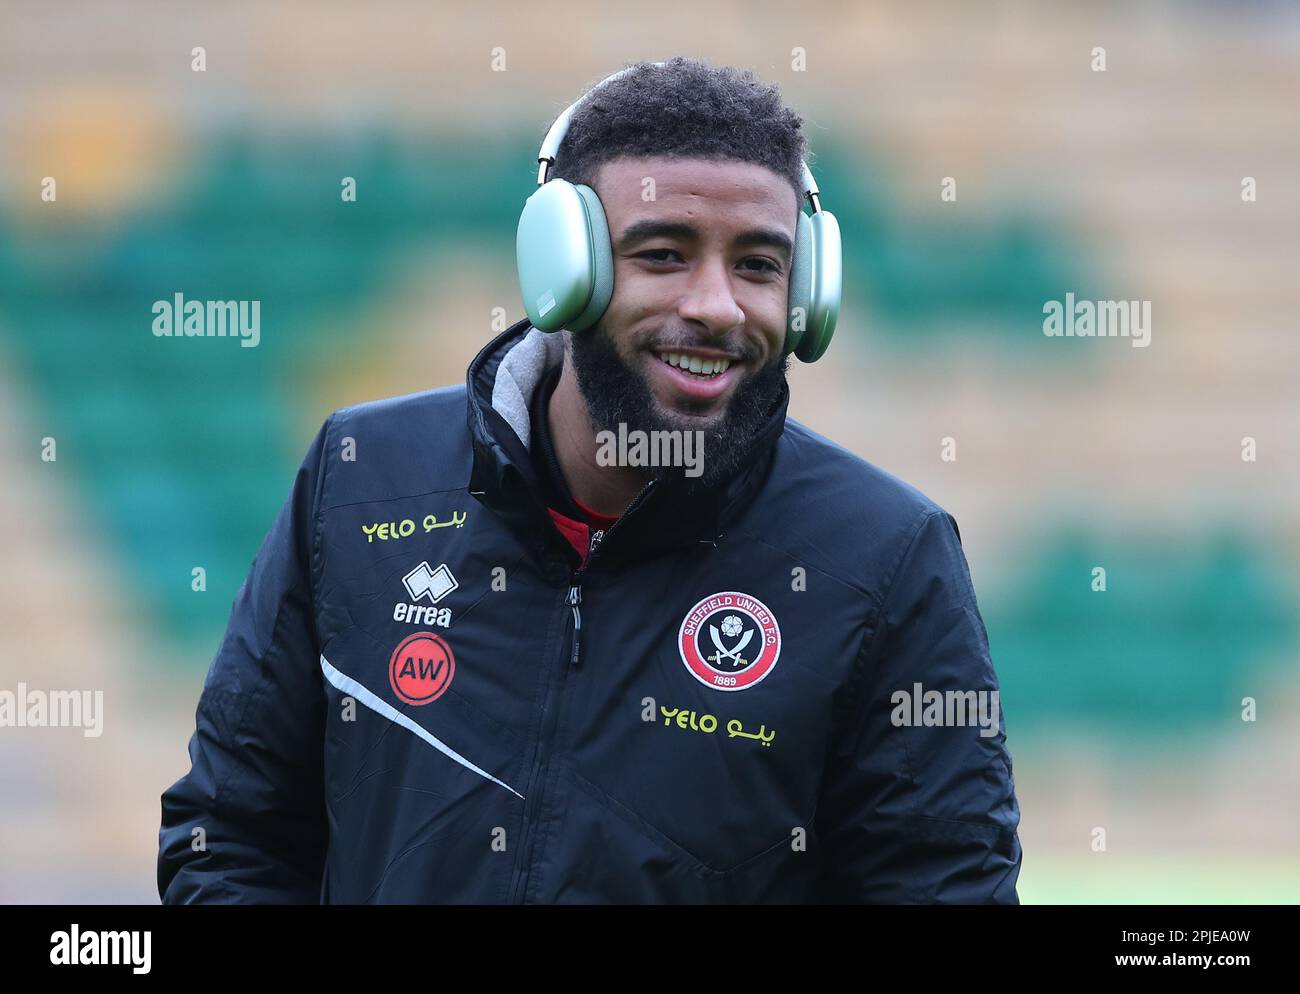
x=729, y=640
x=421, y=668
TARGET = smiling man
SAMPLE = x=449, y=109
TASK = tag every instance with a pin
x=702, y=276
x=498, y=666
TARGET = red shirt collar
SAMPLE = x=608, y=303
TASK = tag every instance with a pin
x=579, y=532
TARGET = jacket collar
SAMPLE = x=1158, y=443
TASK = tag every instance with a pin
x=666, y=515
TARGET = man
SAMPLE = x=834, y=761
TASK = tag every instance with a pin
x=501, y=658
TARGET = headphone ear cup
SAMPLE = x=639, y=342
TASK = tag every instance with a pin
x=801, y=278
x=562, y=250
x=602, y=261
x=827, y=280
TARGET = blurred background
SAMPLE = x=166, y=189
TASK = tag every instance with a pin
x=1123, y=708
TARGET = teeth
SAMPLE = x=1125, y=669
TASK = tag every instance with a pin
x=694, y=364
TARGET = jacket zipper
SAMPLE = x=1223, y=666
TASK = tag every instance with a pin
x=540, y=762
x=575, y=596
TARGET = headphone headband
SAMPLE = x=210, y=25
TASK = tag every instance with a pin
x=555, y=136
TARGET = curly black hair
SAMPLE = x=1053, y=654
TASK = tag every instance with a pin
x=686, y=108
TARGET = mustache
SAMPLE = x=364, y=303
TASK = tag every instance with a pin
x=741, y=351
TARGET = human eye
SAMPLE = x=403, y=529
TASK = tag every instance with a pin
x=655, y=252
x=767, y=265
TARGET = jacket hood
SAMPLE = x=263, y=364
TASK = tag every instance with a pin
x=667, y=514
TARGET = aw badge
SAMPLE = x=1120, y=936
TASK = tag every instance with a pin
x=729, y=641
x=421, y=668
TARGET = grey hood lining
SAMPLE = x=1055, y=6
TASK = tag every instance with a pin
x=518, y=375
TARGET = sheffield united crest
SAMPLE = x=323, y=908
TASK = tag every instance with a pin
x=729, y=640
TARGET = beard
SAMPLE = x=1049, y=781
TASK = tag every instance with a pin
x=616, y=393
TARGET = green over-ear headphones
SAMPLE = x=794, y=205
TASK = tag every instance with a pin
x=566, y=266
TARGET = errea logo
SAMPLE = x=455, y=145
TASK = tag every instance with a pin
x=429, y=584
x=426, y=582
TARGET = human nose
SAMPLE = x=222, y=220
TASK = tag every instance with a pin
x=708, y=299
